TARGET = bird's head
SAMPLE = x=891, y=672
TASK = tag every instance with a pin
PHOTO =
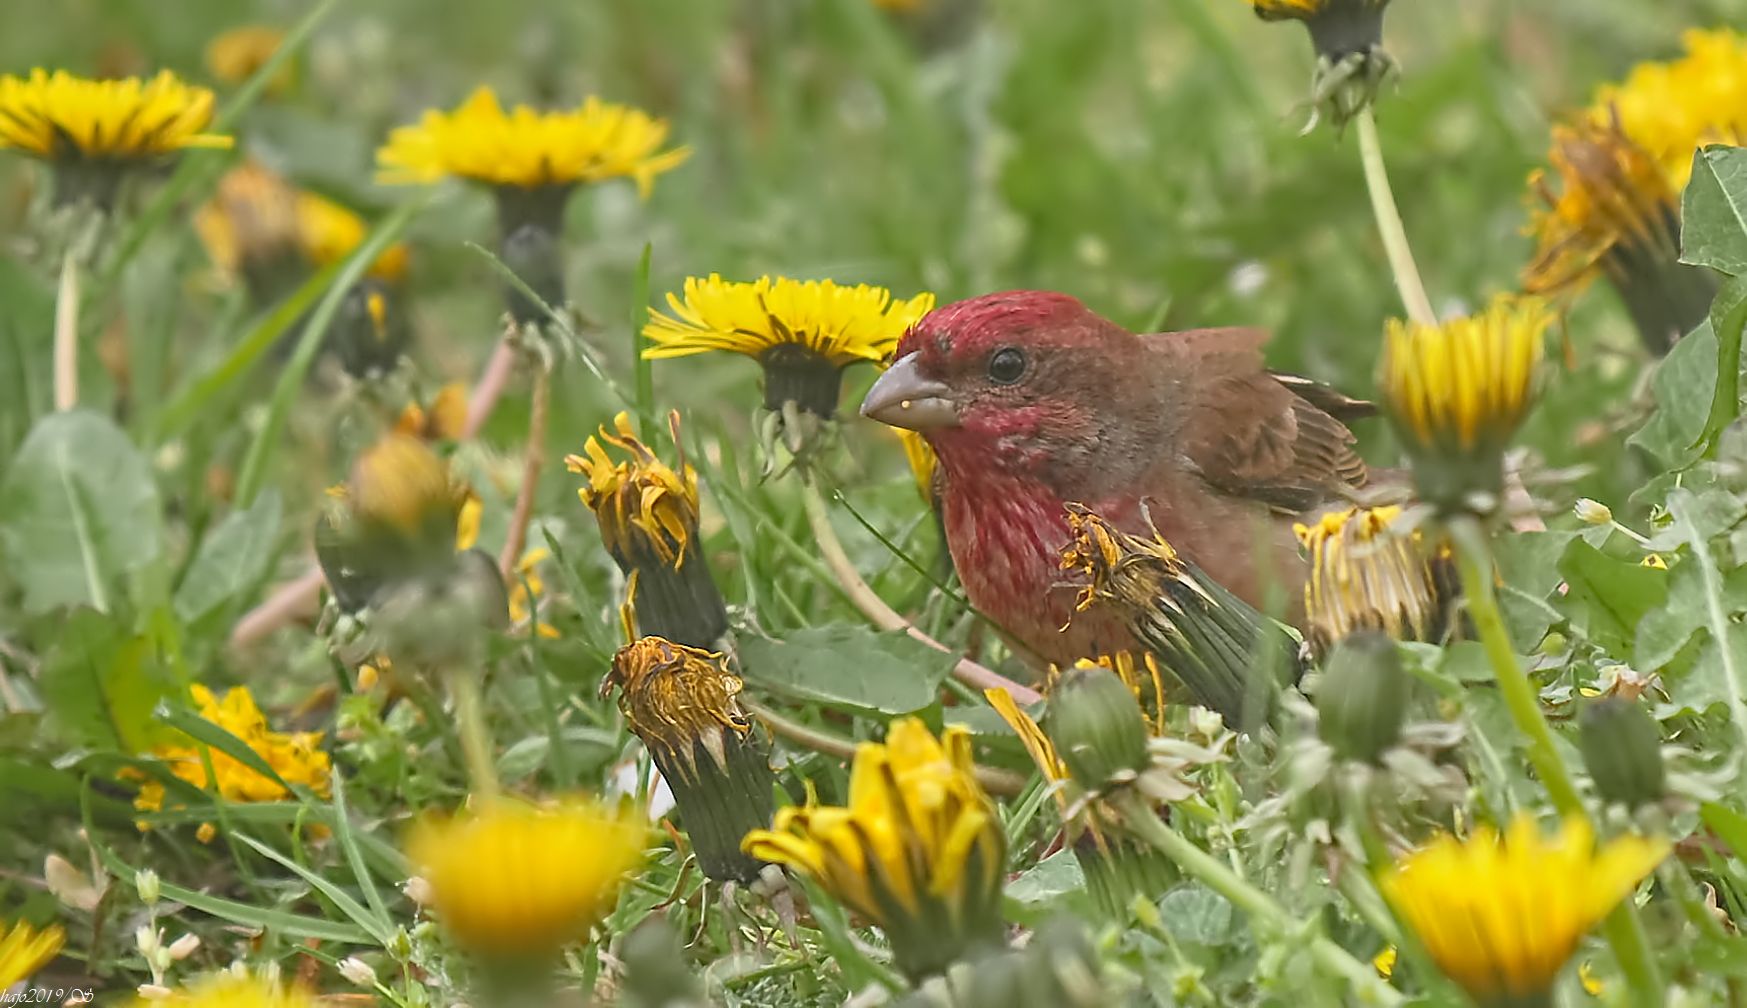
x=1028, y=383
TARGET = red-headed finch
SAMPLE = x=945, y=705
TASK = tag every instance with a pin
x=1032, y=402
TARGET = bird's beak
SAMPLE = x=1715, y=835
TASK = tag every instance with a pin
x=904, y=397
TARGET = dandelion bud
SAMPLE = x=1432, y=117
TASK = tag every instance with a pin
x=145, y=881
x=680, y=701
x=370, y=330
x=1622, y=748
x=648, y=518
x=1592, y=512
x=357, y=971
x=1456, y=394
x=1097, y=727
x=1361, y=702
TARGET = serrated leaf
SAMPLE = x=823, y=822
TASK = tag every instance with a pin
x=1682, y=386
x=1714, y=211
x=1664, y=631
x=851, y=668
x=1606, y=598
x=78, y=509
x=232, y=559
x=1195, y=913
x=1528, y=566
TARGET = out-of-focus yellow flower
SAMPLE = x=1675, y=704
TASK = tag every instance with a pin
x=918, y=850
x=923, y=462
x=400, y=483
x=235, y=55
x=1621, y=165
x=1364, y=575
x=443, y=420
x=59, y=117
x=467, y=523
x=257, y=223
x=529, y=149
x=230, y=990
x=647, y=510
x=802, y=332
x=296, y=757
x=516, y=881
x=1502, y=918
x=1458, y=391
x=526, y=587
x=24, y=950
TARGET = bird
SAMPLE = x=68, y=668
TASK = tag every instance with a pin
x=1032, y=401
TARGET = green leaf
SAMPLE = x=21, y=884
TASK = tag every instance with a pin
x=232, y=559
x=848, y=667
x=1195, y=913
x=1606, y=597
x=25, y=325
x=1528, y=566
x=1682, y=386
x=1052, y=885
x=1728, y=824
x=78, y=508
x=1666, y=630
x=1721, y=672
x=101, y=683
x=1728, y=316
x=1714, y=211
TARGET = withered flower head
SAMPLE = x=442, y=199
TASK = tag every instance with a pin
x=1367, y=572
x=1351, y=63
x=680, y=701
x=648, y=517
x=1229, y=656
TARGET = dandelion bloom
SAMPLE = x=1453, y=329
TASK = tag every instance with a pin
x=1501, y=918
x=803, y=332
x=234, y=990
x=257, y=224
x=441, y=420
x=918, y=850
x=1620, y=166
x=512, y=880
x=526, y=148
x=61, y=117
x=1366, y=574
x=647, y=512
x=24, y=950
x=233, y=56
x=1458, y=391
x=296, y=757
x=680, y=701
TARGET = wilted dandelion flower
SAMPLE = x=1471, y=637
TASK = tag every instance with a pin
x=25, y=949
x=1621, y=166
x=1348, y=38
x=296, y=756
x=515, y=881
x=1457, y=392
x=1501, y=918
x=92, y=130
x=233, y=990
x=680, y=701
x=648, y=517
x=918, y=850
x=802, y=332
x=233, y=56
x=1367, y=573
x=1227, y=654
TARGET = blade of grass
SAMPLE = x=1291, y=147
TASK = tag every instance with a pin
x=218, y=738
x=291, y=379
x=342, y=826
x=380, y=929
x=645, y=373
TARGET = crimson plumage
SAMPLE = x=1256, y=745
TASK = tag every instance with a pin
x=1032, y=401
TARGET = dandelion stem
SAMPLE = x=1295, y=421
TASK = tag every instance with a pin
x=475, y=737
x=1204, y=867
x=532, y=459
x=884, y=616
x=490, y=388
x=1389, y=226
x=67, y=334
x=1625, y=933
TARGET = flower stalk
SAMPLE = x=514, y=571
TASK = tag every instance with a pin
x=533, y=461
x=1389, y=227
x=66, y=353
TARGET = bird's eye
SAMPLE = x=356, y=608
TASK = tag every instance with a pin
x=1006, y=365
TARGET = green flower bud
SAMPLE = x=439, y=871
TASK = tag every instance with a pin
x=1097, y=727
x=1622, y=747
x=1362, y=700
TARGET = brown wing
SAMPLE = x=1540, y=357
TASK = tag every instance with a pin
x=1253, y=435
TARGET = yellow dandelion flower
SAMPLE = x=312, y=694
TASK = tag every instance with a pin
x=61, y=117
x=296, y=757
x=918, y=850
x=443, y=420
x=328, y=232
x=400, y=483
x=1365, y=575
x=1501, y=918
x=803, y=332
x=467, y=523
x=526, y=588
x=1458, y=391
x=25, y=949
x=681, y=702
x=229, y=990
x=260, y=227
x=514, y=881
x=923, y=462
x=526, y=148
x=235, y=55
x=1621, y=165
